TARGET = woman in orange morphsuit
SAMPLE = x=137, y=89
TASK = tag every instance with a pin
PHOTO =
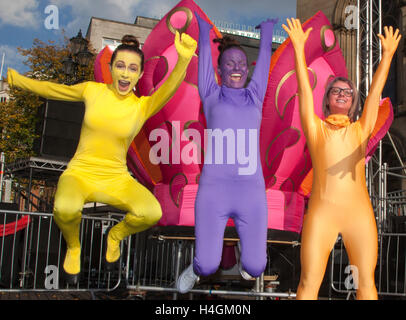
x=339, y=202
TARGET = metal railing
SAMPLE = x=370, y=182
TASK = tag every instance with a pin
x=157, y=262
x=390, y=273
x=32, y=250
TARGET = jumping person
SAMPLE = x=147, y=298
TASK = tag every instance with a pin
x=339, y=201
x=98, y=172
x=228, y=190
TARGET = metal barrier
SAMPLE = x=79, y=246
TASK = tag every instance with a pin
x=390, y=273
x=392, y=268
x=155, y=262
x=397, y=203
x=32, y=250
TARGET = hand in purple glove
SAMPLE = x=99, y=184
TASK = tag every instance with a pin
x=267, y=24
x=203, y=24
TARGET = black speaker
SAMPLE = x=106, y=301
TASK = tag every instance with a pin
x=59, y=129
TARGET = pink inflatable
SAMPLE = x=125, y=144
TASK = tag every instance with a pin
x=177, y=188
x=285, y=160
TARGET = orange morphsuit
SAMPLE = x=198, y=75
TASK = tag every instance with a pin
x=339, y=202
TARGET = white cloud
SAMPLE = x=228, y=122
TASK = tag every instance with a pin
x=80, y=11
x=155, y=8
x=76, y=14
x=20, y=13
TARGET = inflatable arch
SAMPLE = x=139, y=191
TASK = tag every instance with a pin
x=285, y=159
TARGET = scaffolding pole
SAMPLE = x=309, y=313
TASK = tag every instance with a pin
x=368, y=58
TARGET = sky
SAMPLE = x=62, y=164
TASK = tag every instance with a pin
x=21, y=21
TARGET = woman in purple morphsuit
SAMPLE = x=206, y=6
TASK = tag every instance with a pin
x=231, y=184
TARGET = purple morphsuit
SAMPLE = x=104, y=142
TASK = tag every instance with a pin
x=232, y=183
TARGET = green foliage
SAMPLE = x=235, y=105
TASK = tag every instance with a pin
x=18, y=118
x=19, y=115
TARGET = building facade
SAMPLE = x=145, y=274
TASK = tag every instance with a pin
x=102, y=32
x=4, y=96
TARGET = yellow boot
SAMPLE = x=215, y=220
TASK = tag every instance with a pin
x=71, y=265
x=129, y=225
x=114, y=237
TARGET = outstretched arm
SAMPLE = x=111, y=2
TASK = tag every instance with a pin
x=370, y=113
x=206, y=75
x=47, y=89
x=259, y=78
x=306, y=103
x=186, y=47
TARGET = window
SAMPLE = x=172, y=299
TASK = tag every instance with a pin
x=112, y=43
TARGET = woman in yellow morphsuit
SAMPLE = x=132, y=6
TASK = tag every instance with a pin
x=339, y=202
x=98, y=171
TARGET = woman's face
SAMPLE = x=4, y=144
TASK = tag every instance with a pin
x=126, y=71
x=340, y=98
x=233, y=68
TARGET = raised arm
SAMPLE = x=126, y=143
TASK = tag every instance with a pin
x=206, y=75
x=370, y=113
x=186, y=47
x=47, y=89
x=259, y=78
x=306, y=103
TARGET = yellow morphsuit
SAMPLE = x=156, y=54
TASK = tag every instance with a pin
x=98, y=170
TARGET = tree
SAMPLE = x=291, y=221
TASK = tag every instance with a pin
x=19, y=116
x=18, y=119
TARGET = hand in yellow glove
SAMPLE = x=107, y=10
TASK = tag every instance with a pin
x=390, y=41
x=296, y=33
x=185, y=45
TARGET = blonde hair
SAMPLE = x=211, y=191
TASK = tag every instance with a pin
x=355, y=107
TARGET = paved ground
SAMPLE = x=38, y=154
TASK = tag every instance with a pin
x=45, y=296
x=116, y=295
x=71, y=295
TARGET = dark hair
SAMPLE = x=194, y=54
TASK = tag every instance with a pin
x=129, y=43
x=354, y=110
x=227, y=42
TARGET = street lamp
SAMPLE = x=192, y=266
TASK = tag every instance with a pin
x=79, y=56
x=78, y=43
x=68, y=66
x=84, y=57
